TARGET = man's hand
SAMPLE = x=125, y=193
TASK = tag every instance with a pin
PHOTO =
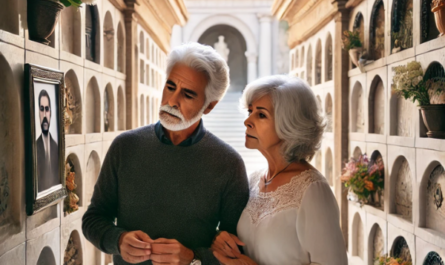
x=239, y=259
x=170, y=251
x=135, y=246
x=227, y=243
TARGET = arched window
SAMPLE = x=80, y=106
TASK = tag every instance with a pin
x=328, y=59
x=309, y=65
x=120, y=49
x=318, y=66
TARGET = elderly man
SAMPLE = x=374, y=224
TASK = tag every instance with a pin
x=47, y=148
x=168, y=186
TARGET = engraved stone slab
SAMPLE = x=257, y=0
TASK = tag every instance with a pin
x=435, y=216
x=403, y=189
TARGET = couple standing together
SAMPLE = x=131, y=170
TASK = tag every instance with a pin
x=173, y=193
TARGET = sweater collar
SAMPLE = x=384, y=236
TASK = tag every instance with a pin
x=196, y=136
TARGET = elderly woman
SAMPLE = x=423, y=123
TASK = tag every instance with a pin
x=292, y=216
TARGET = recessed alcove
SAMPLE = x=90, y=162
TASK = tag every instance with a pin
x=142, y=71
x=120, y=109
x=120, y=48
x=328, y=113
x=92, y=108
x=401, y=25
x=377, y=158
x=11, y=154
x=376, y=106
x=147, y=75
x=297, y=58
x=400, y=249
x=147, y=48
x=73, y=253
x=108, y=33
x=318, y=161
x=358, y=239
x=141, y=112
x=435, y=70
x=377, y=31
x=147, y=107
x=433, y=258
x=401, y=190
x=309, y=65
x=432, y=205
x=320, y=106
x=376, y=244
x=153, y=54
x=91, y=174
x=302, y=57
x=46, y=257
x=71, y=30
x=358, y=115
x=152, y=79
x=9, y=17
x=328, y=167
x=73, y=103
x=357, y=153
x=108, y=109
x=92, y=34
x=428, y=27
x=141, y=41
x=359, y=25
x=74, y=163
x=318, y=65
x=401, y=116
x=328, y=59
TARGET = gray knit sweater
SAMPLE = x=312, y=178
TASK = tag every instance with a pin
x=166, y=191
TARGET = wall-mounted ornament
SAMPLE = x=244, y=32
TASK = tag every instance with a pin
x=4, y=190
x=438, y=196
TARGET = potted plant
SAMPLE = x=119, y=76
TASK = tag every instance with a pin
x=364, y=181
x=388, y=260
x=438, y=8
x=71, y=201
x=44, y=14
x=409, y=83
x=352, y=44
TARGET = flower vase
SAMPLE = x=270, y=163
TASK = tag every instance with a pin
x=434, y=120
x=42, y=19
x=439, y=16
x=375, y=199
x=352, y=196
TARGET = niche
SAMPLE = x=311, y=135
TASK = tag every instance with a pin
x=433, y=198
x=309, y=65
x=73, y=251
x=329, y=167
x=402, y=25
x=328, y=59
x=376, y=243
x=318, y=66
x=328, y=111
x=401, y=116
x=46, y=257
x=120, y=109
x=377, y=28
x=358, y=115
x=433, y=259
x=73, y=102
x=92, y=34
x=401, y=250
x=92, y=99
x=108, y=41
x=108, y=109
x=428, y=27
x=92, y=172
x=120, y=49
x=377, y=107
x=402, y=189
x=357, y=237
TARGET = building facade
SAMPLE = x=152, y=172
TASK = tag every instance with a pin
x=113, y=56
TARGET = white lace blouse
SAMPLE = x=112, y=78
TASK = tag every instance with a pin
x=297, y=224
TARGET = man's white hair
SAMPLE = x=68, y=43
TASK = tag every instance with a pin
x=204, y=59
x=298, y=119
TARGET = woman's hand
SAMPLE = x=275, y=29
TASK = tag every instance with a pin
x=239, y=259
x=227, y=244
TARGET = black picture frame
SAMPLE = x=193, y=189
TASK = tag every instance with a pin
x=44, y=152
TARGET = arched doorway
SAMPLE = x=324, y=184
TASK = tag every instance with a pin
x=236, y=58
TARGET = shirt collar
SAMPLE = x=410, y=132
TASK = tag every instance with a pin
x=196, y=136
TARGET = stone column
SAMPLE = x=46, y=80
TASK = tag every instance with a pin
x=265, y=56
x=251, y=66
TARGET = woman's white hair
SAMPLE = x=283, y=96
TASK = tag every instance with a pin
x=204, y=59
x=298, y=119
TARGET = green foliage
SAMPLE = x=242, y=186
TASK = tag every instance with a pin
x=351, y=40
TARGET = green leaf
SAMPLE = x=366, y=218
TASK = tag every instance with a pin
x=75, y=3
x=66, y=3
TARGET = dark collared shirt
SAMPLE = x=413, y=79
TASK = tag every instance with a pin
x=193, y=139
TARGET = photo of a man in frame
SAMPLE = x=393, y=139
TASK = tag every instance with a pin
x=47, y=147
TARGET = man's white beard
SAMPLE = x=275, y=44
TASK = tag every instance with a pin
x=173, y=124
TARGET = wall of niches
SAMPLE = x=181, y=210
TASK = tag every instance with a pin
x=94, y=65
x=411, y=222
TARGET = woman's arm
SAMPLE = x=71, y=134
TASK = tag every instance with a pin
x=318, y=226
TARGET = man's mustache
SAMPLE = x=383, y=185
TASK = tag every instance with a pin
x=172, y=111
x=45, y=120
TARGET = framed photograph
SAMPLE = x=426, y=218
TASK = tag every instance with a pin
x=45, y=137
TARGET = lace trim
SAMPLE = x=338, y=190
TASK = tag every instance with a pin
x=264, y=204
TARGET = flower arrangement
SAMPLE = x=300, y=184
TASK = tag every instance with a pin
x=436, y=5
x=362, y=178
x=351, y=40
x=77, y=3
x=72, y=199
x=387, y=260
x=408, y=82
